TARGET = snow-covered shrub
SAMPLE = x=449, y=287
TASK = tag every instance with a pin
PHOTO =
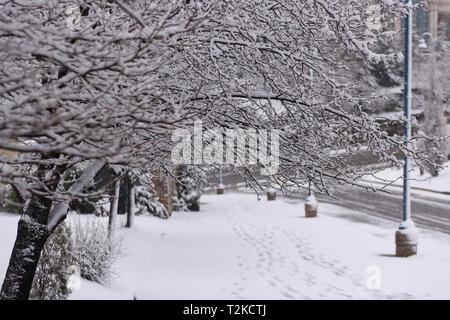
x=148, y=204
x=102, y=208
x=3, y=194
x=189, y=182
x=178, y=204
x=9, y=199
x=52, y=273
x=81, y=243
x=95, y=253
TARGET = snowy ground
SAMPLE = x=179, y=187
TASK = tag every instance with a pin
x=241, y=248
x=394, y=177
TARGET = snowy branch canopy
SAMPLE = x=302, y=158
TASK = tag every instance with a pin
x=110, y=81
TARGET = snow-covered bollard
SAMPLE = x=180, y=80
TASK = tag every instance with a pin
x=220, y=189
x=271, y=194
x=311, y=206
x=406, y=239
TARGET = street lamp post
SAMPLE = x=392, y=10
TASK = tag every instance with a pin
x=310, y=204
x=311, y=201
x=220, y=187
x=406, y=237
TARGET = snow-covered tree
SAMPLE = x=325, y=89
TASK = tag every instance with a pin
x=83, y=90
x=432, y=64
x=189, y=182
x=52, y=274
x=106, y=82
x=147, y=204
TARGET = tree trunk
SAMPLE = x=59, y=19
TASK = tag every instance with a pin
x=131, y=208
x=113, y=209
x=33, y=230
x=32, y=233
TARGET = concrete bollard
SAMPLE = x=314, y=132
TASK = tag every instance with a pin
x=406, y=240
x=220, y=189
x=271, y=194
x=311, y=206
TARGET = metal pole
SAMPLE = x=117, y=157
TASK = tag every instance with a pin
x=407, y=113
x=220, y=188
x=406, y=237
x=220, y=175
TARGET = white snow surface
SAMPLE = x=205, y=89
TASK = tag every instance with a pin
x=394, y=176
x=237, y=247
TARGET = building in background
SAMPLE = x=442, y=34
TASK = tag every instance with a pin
x=434, y=18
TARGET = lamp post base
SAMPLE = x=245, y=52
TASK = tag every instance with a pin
x=220, y=189
x=311, y=206
x=310, y=212
x=406, y=240
x=271, y=194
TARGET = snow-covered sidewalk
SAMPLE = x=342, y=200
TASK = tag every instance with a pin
x=241, y=248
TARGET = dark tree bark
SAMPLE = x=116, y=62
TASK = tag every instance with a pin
x=124, y=194
x=35, y=226
x=21, y=194
x=113, y=209
x=32, y=233
x=131, y=207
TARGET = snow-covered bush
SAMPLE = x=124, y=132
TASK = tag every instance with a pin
x=6, y=198
x=10, y=200
x=52, y=273
x=101, y=208
x=148, y=204
x=3, y=194
x=83, y=244
x=178, y=204
x=189, y=183
x=95, y=253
